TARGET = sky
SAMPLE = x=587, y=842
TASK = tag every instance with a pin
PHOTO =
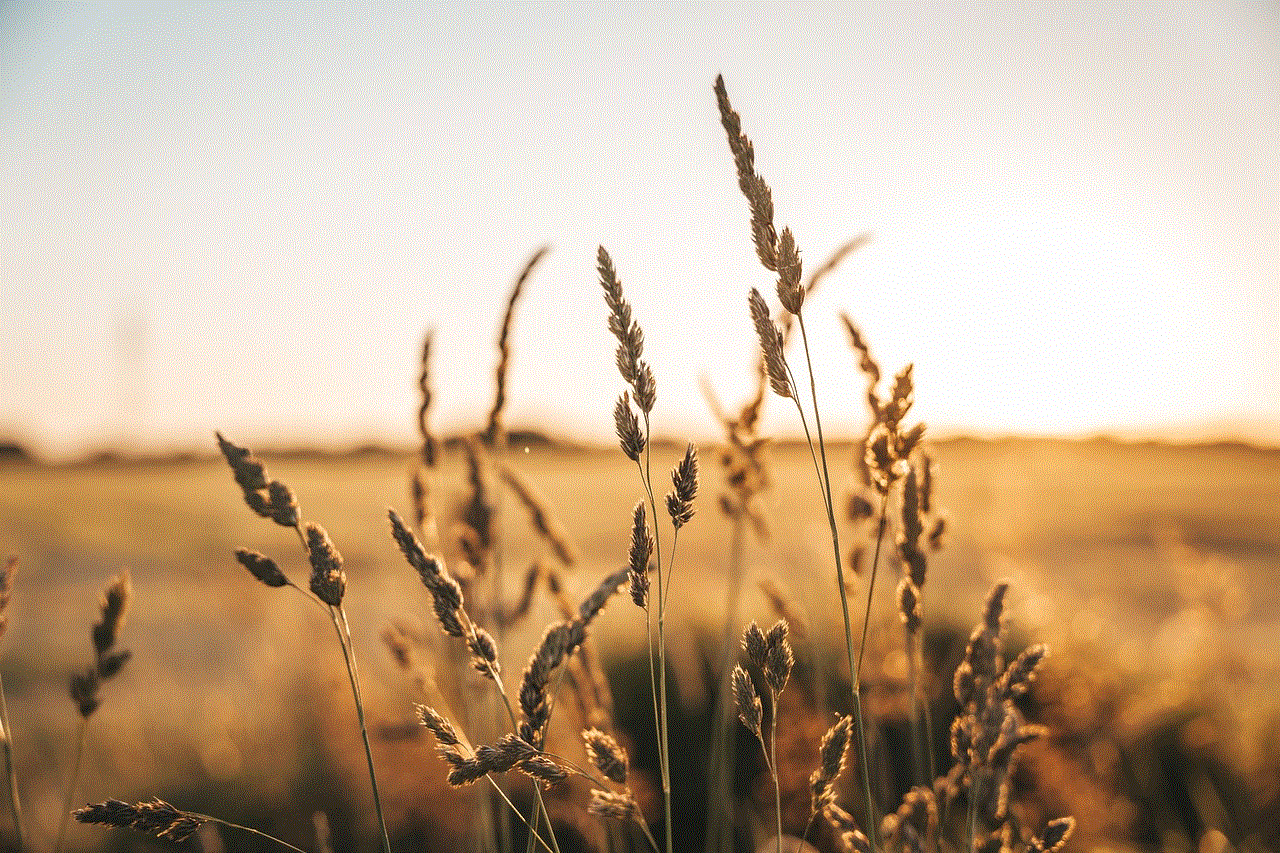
x=245, y=217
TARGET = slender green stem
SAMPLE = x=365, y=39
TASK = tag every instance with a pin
x=348, y=655
x=854, y=672
x=71, y=786
x=14, y=800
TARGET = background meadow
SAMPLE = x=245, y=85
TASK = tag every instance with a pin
x=244, y=218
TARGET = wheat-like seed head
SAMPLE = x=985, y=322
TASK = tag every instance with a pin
x=833, y=751
x=755, y=645
x=328, y=580
x=778, y=657
x=444, y=731
x=613, y=805
x=1018, y=676
x=909, y=605
x=7, y=575
x=770, y=344
x=114, y=604
x=852, y=840
x=494, y=433
x=268, y=498
x=631, y=366
x=540, y=516
x=627, y=426
x=606, y=755
x=1055, y=836
x=638, y=557
x=909, y=534
x=684, y=481
x=750, y=710
x=759, y=199
x=155, y=817
x=261, y=567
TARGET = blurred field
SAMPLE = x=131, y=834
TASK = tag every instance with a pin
x=1153, y=572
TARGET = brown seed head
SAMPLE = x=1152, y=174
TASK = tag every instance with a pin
x=770, y=345
x=328, y=581
x=494, y=433
x=627, y=426
x=684, y=480
x=778, y=657
x=284, y=507
x=755, y=645
x=606, y=755
x=618, y=806
x=444, y=731
x=595, y=602
x=1055, y=836
x=909, y=605
x=833, y=749
x=114, y=604
x=752, y=185
x=261, y=567
x=639, y=555
x=790, y=291
x=750, y=711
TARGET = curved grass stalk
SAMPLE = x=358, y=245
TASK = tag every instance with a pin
x=15, y=801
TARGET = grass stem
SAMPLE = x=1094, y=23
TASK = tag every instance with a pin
x=15, y=801
x=71, y=786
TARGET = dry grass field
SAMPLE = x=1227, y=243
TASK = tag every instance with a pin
x=1152, y=571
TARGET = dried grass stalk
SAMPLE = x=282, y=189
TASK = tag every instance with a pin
x=540, y=516
x=494, y=434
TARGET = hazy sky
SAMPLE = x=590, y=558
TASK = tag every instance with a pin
x=245, y=217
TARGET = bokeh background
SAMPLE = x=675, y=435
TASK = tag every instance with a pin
x=246, y=217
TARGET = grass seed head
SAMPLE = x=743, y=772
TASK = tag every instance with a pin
x=155, y=817
x=328, y=581
x=608, y=804
x=638, y=557
x=606, y=755
x=7, y=575
x=684, y=481
x=627, y=426
x=770, y=344
x=750, y=711
x=261, y=567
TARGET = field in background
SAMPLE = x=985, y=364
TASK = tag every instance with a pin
x=1152, y=571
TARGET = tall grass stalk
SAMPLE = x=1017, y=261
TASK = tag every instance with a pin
x=778, y=253
x=720, y=808
x=855, y=672
x=71, y=785
x=6, y=733
x=15, y=801
x=343, y=629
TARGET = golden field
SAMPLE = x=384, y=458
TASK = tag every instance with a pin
x=1151, y=571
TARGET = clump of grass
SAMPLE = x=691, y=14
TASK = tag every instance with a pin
x=635, y=442
x=778, y=253
x=86, y=685
x=274, y=500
